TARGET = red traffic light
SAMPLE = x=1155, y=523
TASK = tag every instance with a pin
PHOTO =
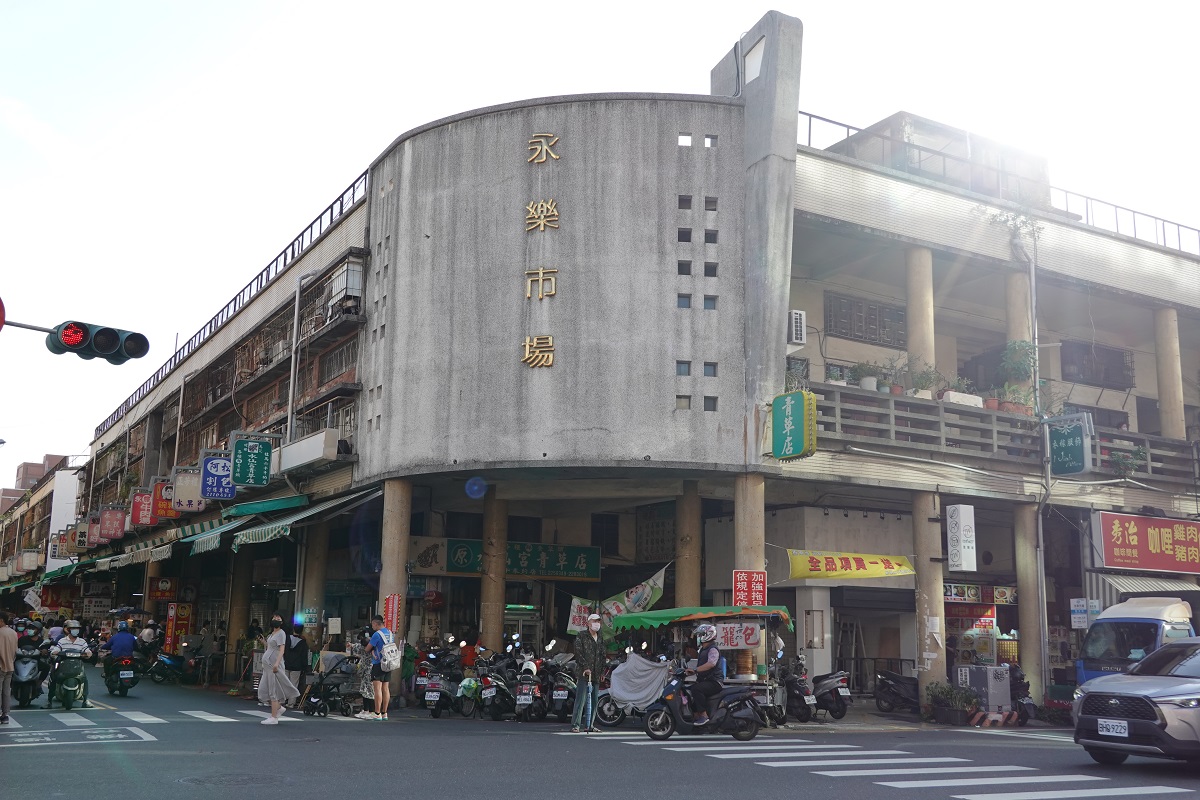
x=72, y=335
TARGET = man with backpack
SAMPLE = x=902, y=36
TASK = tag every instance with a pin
x=295, y=661
x=385, y=657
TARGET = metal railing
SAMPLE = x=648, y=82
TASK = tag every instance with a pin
x=347, y=200
x=862, y=671
x=826, y=134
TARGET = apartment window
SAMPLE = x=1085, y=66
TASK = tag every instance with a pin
x=710, y=269
x=710, y=369
x=683, y=301
x=710, y=302
x=685, y=202
x=606, y=533
x=710, y=404
x=834, y=370
x=683, y=368
x=1102, y=417
x=683, y=402
x=865, y=321
x=710, y=236
x=710, y=204
x=710, y=140
x=684, y=267
x=338, y=360
x=1096, y=365
x=684, y=234
x=685, y=140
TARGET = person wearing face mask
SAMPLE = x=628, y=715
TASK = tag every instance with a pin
x=71, y=642
x=589, y=655
x=274, y=686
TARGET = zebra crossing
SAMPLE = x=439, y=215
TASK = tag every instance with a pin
x=896, y=768
x=93, y=718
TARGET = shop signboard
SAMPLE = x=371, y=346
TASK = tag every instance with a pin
x=179, y=625
x=309, y=617
x=960, y=537
x=1070, y=444
x=417, y=585
x=216, y=476
x=162, y=590
x=829, y=564
x=55, y=597
x=655, y=533
x=794, y=425
x=527, y=560
x=581, y=609
x=1000, y=595
x=749, y=587
x=94, y=607
x=971, y=633
x=1079, y=613
x=738, y=635
x=81, y=537
x=961, y=593
x=391, y=612
x=93, y=531
x=427, y=555
x=251, y=462
x=112, y=523
x=1152, y=544
x=142, y=506
x=164, y=495
x=187, y=496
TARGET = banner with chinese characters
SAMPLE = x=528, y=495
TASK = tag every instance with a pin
x=1154, y=544
x=738, y=635
x=164, y=497
x=187, y=481
x=794, y=425
x=142, y=506
x=641, y=597
x=581, y=609
x=112, y=523
x=1071, y=444
x=527, y=560
x=823, y=564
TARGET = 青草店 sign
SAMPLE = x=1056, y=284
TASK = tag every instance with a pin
x=527, y=560
x=1154, y=544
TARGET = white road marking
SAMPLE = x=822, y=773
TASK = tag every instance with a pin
x=852, y=762
x=989, y=781
x=207, y=717
x=265, y=714
x=811, y=754
x=1129, y=791
x=73, y=720
x=1054, y=737
x=703, y=749
x=880, y=773
x=141, y=718
x=12, y=723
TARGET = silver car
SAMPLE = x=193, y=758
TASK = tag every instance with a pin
x=1153, y=710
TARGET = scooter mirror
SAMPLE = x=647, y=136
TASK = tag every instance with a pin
x=516, y=637
x=644, y=645
x=779, y=654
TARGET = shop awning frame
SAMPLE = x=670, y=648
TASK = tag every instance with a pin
x=282, y=527
x=208, y=540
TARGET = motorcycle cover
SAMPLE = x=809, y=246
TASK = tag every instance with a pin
x=639, y=682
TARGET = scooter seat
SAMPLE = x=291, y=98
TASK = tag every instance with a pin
x=896, y=677
x=818, y=678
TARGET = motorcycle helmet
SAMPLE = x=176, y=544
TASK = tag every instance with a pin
x=73, y=626
x=35, y=627
x=705, y=633
x=122, y=627
x=20, y=623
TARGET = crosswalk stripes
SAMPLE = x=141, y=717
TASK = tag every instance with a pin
x=956, y=782
x=1076, y=793
x=851, y=762
x=265, y=714
x=883, y=773
x=141, y=718
x=12, y=723
x=727, y=748
x=810, y=754
x=207, y=717
x=73, y=720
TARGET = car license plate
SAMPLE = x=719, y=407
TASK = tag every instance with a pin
x=843, y=691
x=524, y=699
x=808, y=698
x=489, y=692
x=422, y=680
x=432, y=697
x=126, y=673
x=560, y=694
x=1112, y=727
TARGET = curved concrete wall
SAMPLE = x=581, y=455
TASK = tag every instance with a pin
x=444, y=386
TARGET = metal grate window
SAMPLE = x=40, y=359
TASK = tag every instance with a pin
x=338, y=360
x=865, y=321
x=1096, y=365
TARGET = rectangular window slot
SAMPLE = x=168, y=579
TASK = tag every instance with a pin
x=710, y=302
x=685, y=140
x=683, y=402
x=710, y=269
x=710, y=404
x=683, y=368
x=685, y=202
x=710, y=369
x=685, y=234
x=710, y=236
x=710, y=204
x=848, y=317
x=683, y=301
x=684, y=267
x=710, y=140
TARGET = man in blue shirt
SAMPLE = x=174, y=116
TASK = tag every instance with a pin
x=379, y=678
x=122, y=643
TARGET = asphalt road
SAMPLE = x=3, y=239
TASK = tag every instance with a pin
x=203, y=744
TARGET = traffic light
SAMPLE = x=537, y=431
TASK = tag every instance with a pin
x=90, y=341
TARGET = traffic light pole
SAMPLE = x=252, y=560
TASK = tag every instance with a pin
x=28, y=327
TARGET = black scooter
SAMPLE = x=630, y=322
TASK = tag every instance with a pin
x=1019, y=688
x=893, y=690
x=735, y=711
x=800, y=700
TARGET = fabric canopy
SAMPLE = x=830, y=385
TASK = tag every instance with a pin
x=283, y=526
x=61, y=572
x=667, y=616
x=209, y=539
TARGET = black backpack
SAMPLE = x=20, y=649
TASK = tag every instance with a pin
x=295, y=656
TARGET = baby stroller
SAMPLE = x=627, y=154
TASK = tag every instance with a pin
x=332, y=687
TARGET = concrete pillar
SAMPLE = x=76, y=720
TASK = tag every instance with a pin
x=749, y=523
x=1170, y=373
x=688, y=543
x=1029, y=618
x=1017, y=312
x=152, y=447
x=495, y=569
x=393, y=574
x=919, y=308
x=241, y=575
x=153, y=572
x=931, y=607
x=316, y=557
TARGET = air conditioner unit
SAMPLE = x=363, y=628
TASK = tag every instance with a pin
x=797, y=332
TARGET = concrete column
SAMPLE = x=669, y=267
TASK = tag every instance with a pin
x=1033, y=639
x=1017, y=312
x=931, y=607
x=316, y=557
x=241, y=575
x=1170, y=373
x=688, y=543
x=393, y=575
x=495, y=569
x=153, y=572
x=919, y=308
x=749, y=523
x=152, y=458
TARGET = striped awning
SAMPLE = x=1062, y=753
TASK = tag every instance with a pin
x=283, y=526
x=141, y=556
x=161, y=553
x=211, y=539
x=1108, y=589
x=174, y=535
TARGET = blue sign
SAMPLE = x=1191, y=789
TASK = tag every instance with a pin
x=216, y=478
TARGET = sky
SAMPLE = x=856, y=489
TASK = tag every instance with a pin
x=154, y=157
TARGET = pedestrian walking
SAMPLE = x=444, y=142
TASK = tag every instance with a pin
x=274, y=686
x=8, y=657
x=379, y=676
x=295, y=659
x=589, y=655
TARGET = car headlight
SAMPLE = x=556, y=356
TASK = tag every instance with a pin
x=1183, y=701
x=1079, y=692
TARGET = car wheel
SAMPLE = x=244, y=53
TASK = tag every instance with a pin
x=1108, y=757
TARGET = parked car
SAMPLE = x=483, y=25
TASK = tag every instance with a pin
x=1152, y=710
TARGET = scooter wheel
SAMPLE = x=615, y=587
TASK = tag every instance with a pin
x=802, y=712
x=884, y=702
x=747, y=733
x=123, y=692
x=435, y=711
x=838, y=711
x=659, y=724
x=157, y=676
x=608, y=713
x=468, y=707
x=1022, y=715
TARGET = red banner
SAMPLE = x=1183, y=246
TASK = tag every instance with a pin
x=391, y=613
x=143, y=508
x=56, y=597
x=749, y=587
x=1155, y=544
x=179, y=624
x=164, y=496
x=112, y=524
x=93, y=532
x=162, y=590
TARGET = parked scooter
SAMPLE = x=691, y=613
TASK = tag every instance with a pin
x=559, y=683
x=28, y=668
x=893, y=690
x=68, y=679
x=180, y=668
x=120, y=674
x=498, y=677
x=1018, y=687
x=794, y=677
x=734, y=711
x=611, y=710
x=832, y=693
x=441, y=690
x=532, y=703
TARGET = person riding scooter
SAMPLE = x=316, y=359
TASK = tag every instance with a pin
x=120, y=645
x=71, y=642
x=708, y=684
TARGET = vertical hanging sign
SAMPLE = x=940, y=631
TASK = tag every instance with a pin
x=794, y=425
x=960, y=537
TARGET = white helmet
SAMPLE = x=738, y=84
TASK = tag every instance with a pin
x=705, y=633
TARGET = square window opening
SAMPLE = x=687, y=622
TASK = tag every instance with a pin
x=685, y=202
x=710, y=204
x=683, y=368
x=710, y=302
x=685, y=234
x=710, y=404
x=683, y=402
x=685, y=140
x=710, y=140
x=710, y=369
x=683, y=301
x=684, y=267
x=710, y=236
x=710, y=269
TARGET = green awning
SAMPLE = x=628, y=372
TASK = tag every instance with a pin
x=668, y=616
x=210, y=540
x=283, y=526
x=265, y=506
x=173, y=535
x=61, y=572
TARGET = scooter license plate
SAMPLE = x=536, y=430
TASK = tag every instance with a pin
x=125, y=673
x=422, y=680
x=524, y=699
x=808, y=698
x=432, y=697
x=560, y=694
x=843, y=691
x=489, y=692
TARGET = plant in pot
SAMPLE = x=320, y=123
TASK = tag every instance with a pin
x=1010, y=399
x=940, y=696
x=1016, y=362
x=922, y=377
x=960, y=390
x=992, y=398
x=1125, y=464
x=963, y=703
x=866, y=374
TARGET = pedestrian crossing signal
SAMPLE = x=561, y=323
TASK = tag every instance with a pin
x=90, y=341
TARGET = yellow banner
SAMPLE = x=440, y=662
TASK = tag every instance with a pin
x=824, y=564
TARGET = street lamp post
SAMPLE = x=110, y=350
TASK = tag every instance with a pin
x=291, y=413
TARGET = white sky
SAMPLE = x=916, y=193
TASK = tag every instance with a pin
x=155, y=156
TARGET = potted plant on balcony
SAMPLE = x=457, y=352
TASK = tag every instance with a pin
x=960, y=390
x=1125, y=464
x=922, y=377
x=1016, y=362
x=866, y=374
x=992, y=398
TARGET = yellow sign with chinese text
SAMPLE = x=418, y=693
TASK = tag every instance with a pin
x=825, y=564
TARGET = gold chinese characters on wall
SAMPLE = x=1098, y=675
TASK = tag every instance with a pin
x=541, y=216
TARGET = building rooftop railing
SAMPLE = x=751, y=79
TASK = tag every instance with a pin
x=355, y=193
x=823, y=133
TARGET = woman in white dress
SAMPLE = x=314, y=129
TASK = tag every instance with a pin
x=274, y=685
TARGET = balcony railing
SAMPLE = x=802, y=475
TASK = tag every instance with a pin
x=997, y=182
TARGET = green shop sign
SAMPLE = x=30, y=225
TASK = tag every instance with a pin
x=527, y=560
x=1070, y=444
